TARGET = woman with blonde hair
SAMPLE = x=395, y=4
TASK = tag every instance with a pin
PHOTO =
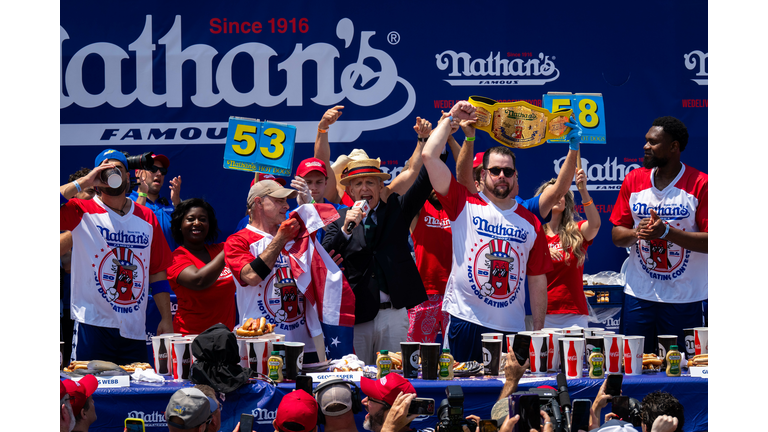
x=568, y=238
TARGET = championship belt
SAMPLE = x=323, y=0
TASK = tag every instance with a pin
x=519, y=124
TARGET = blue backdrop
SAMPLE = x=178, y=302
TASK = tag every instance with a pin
x=165, y=76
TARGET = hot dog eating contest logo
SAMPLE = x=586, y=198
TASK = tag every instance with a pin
x=281, y=301
x=121, y=275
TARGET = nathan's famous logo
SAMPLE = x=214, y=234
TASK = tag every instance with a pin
x=120, y=277
x=214, y=79
x=661, y=259
x=131, y=239
x=606, y=176
x=698, y=59
x=500, y=231
x=434, y=222
x=494, y=272
x=668, y=212
x=153, y=419
x=283, y=304
x=496, y=71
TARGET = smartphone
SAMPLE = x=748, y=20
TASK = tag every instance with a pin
x=304, y=382
x=488, y=426
x=530, y=415
x=521, y=346
x=246, y=423
x=620, y=406
x=580, y=414
x=134, y=425
x=613, y=384
x=422, y=406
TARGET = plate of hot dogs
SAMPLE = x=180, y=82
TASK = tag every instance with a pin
x=255, y=327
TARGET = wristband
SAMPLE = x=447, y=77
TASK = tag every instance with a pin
x=587, y=203
x=469, y=138
x=77, y=185
x=160, y=286
x=322, y=130
x=422, y=140
x=142, y=194
x=666, y=229
x=260, y=268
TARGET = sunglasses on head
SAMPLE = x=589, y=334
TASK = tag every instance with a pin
x=163, y=170
x=508, y=172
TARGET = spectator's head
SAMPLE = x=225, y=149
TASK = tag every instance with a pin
x=381, y=394
x=66, y=416
x=155, y=176
x=81, y=398
x=496, y=182
x=297, y=412
x=314, y=172
x=364, y=180
x=88, y=193
x=120, y=161
x=216, y=416
x=189, y=410
x=267, y=204
x=194, y=221
x=335, y=399
x=664, y=142
x=477, y=171
x=660, y=403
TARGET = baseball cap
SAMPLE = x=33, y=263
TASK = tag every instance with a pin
x=79, y=391
x=478, y=160
x=111, y=154
x=312, y=164
x=263, y=176
x=299, y=409
x=192, y=406
x=386, y=388
x=269, y=187
x=335, y=394
x=163, y=160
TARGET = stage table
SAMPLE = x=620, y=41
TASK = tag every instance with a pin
x=148, y=400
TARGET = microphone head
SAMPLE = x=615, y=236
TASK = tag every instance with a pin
x=562, y=386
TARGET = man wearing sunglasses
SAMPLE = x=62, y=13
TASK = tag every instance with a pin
x=150, y=184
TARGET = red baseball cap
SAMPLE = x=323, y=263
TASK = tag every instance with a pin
x=311, y=164
x=386, y=388
x=298, y=408
x=163, y=160
x=79, y=391
x=263, y=176
x=478, y=160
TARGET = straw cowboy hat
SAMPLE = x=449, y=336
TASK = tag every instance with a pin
x=341, y=162
x=363, y=168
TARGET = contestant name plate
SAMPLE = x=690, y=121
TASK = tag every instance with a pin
x=325, y=376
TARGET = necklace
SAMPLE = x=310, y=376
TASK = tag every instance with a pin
x=118, y=211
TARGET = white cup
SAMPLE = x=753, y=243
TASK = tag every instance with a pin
x=614, y=352
x=491, y=336
x=574, y=357
x=510, y=339
x=701, y=340
x=633, y=355
x=258, y=354
x=553, y=357
x=182, y=358
x=539, y=350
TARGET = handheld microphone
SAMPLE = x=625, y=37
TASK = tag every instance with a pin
x=564, y=398
x=364, y=207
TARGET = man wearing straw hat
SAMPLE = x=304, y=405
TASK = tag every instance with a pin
x=377, y=259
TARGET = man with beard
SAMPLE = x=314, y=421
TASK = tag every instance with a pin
x=150, y=184
x=661, y=213
x=496, y=244
x=119, y=254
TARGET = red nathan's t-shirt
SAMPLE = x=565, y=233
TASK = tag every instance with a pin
x=198, y=310
x=432, y=245
x=565, y=286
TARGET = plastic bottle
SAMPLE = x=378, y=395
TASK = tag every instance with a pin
x=275, y=365
x=383, y=364
x=596, y=363
x=445, y=365
x=673, y=361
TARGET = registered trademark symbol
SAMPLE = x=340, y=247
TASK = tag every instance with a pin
x=554, y=58
x=393, y=38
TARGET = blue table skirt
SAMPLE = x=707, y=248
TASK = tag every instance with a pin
x=148, y=401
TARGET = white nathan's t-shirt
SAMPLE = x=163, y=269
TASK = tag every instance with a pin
x=659, y=270
x=493, y=251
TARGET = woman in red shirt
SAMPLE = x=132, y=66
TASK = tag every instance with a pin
x=568, y=240
x=205, y=290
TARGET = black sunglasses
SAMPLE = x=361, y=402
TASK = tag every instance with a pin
x=163, y=170
x=508, y=172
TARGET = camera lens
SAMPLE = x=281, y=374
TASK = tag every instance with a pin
x=143, y=161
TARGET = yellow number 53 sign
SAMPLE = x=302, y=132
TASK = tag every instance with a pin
x=257, y=146
x=588, y=109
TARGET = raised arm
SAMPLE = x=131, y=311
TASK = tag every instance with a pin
x=439, y=174
x=323, y=150
x=92, y=179
x=589, y=228
x=466, y=157
x=405, y=179
x=552, y=195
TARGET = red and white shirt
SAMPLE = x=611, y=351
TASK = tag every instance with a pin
x=283, y=306
x=493, y=251
x=432, y=243
x=565, y=287
x=659, y=270
x=112, y=259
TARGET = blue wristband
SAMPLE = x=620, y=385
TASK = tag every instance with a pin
x=160, y=286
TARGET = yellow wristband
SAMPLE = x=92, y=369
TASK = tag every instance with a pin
x=469, y=138
x=142, y=194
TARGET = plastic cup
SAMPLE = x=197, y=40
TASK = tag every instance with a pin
x=430, y=355
x=182, y=357
x=539, y=351
x=258, y=354
x=633, y=355
x=510, y=338
x=690, y=342
x=280, y=348
x=499, y=336
x=411, y=353
x=574, y=357
x=701, y=340
x=553, y=356
x=491, y=356
x=614, y=352
x=665, y=342
x=163, y=354
x=590, y=331
x=294, y=359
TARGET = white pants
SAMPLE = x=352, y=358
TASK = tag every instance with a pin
x=386, y=331
x=566, y=320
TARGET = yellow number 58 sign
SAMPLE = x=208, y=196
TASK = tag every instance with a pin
x=258, y=146
x=588, y=109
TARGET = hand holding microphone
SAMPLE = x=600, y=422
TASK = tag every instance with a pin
x=356, y=214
